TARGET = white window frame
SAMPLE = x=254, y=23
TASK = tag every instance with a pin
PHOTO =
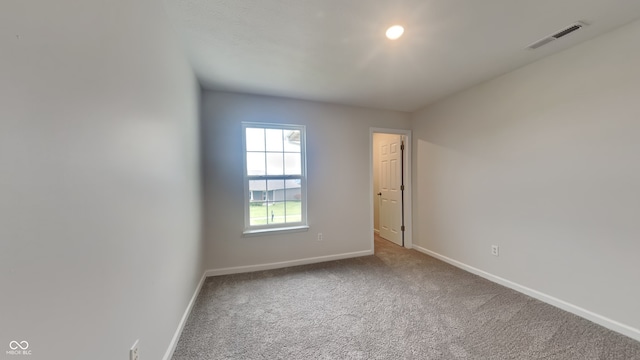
x=273, y=228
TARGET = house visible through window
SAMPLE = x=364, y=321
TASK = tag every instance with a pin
x=275, y=176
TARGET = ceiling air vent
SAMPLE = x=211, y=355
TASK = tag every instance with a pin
x=564, y=32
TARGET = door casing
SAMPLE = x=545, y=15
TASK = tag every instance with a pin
x=408, y=234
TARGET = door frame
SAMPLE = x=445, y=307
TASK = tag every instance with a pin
x=408, y=223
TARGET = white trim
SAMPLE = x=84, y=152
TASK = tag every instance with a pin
x=284, y=264
x=248, y=229
x=274, y=231
x=408, y=223
x=574, y=309
x=183, y=321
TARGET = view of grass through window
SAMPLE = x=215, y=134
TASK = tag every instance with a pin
x=263, y=213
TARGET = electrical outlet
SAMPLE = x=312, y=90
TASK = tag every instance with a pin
x=495, y=250
x=133, y=352
x=319, y=236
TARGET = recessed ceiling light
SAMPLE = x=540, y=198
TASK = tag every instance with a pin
x=395, y=32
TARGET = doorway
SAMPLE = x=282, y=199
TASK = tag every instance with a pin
x=390, y=175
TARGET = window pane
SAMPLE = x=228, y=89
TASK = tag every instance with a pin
x=257, y=206
x=276, y=190
x=292, y=163
x=294, y=211
x=276, y=212
x=292, y=140
x=255, y=139
x=275, y=164
x=293, y=190
x=258, y=213
x=274, y=139
x=293, y=195
x=257, y=189
x=255, y=163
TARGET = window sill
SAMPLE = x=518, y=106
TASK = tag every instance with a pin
x=273, y=231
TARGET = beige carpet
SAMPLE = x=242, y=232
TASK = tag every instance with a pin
x=397, y=304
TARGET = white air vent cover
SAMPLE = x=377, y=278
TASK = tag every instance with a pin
x=560, y=33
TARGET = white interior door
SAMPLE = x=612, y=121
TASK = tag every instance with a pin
x=390, y=195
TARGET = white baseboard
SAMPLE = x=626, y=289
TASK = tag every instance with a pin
x=576, y=310
x=283, y=264
x=183, y=321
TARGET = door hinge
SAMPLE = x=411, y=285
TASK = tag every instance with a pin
x=402, y=228
x=401, y=187
x=402, y=146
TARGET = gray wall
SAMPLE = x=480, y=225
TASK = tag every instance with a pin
x=99, y=181
x=544, y=162
x=338, y=178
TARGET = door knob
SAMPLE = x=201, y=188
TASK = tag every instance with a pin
x=379, y=194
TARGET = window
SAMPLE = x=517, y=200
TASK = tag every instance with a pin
x=275, y=177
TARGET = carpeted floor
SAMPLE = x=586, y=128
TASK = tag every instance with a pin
x=397, y=304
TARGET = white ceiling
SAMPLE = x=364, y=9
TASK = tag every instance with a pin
x=335, y=50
